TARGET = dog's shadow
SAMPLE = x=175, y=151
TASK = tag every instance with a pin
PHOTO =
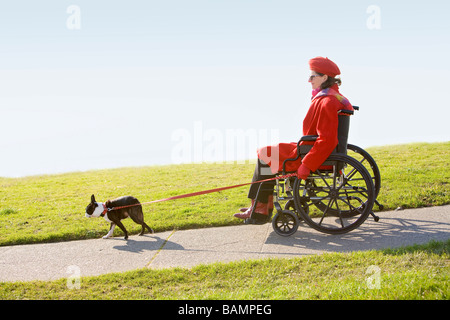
x=140, y=244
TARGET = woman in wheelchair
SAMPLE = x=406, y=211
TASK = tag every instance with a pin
x=321, y=120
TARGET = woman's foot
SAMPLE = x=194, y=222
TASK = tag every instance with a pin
x=262, y=213
x=262, y=209
x=245, y=212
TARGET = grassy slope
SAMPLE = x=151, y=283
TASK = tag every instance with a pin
x=414, y=175
x=51, y=208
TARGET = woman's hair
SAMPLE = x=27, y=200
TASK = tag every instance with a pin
x=329, y=82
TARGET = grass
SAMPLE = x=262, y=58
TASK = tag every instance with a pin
x=413, y=175
x=51, y=207
x=415, y=272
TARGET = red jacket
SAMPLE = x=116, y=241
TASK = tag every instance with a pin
x=321, y=120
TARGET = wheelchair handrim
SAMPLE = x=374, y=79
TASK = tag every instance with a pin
x=335, y=197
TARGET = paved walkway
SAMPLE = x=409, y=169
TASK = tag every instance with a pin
x=192, y=247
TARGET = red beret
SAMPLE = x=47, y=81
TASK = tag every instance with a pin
x=325, y=66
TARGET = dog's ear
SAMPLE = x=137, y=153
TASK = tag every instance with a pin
x=93, y=199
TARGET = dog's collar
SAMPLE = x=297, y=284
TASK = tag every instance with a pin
x=105, y=210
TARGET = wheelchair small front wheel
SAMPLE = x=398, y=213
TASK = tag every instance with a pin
x=285, y=223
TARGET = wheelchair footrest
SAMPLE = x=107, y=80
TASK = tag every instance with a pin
x=277, y=206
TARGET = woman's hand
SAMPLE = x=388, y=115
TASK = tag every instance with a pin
x=303, y=172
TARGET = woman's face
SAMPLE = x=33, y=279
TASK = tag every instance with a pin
x=316, y=80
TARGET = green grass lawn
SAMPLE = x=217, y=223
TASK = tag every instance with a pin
x=51, y=208
x=415, y=272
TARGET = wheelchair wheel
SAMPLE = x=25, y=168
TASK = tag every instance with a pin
x=290, y=205
x=285, y=223
x=343, y=193
x=366, y=159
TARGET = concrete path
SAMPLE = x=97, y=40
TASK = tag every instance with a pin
x=192, y=247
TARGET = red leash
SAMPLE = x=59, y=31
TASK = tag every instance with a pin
x=193, y=194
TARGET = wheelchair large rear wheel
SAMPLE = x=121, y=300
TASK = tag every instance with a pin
x=339, y=198
x=366, y=159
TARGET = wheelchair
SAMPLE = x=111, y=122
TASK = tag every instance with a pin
x=336, y=198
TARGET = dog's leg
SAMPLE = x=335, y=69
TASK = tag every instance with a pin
x=144, y=225
x=149, y=229
x=111, y=231
x=121, y=226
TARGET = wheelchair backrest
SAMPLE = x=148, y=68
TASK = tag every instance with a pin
x=343, y=128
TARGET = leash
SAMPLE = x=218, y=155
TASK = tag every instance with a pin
x=198, y=193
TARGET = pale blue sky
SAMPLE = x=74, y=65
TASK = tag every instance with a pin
x=115, y=92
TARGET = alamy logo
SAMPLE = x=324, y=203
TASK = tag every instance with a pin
x=214, y=145
x=73, y=21
x=373, y=281
x=374, y=20
x=74, y=279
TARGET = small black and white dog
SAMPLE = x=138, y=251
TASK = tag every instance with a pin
x=99, y=209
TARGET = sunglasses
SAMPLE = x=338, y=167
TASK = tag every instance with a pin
x=313, y=75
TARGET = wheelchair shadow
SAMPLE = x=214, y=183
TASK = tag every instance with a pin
x=192, y=247
x=389, y=232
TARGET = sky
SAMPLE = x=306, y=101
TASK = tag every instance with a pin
x=102, y=84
